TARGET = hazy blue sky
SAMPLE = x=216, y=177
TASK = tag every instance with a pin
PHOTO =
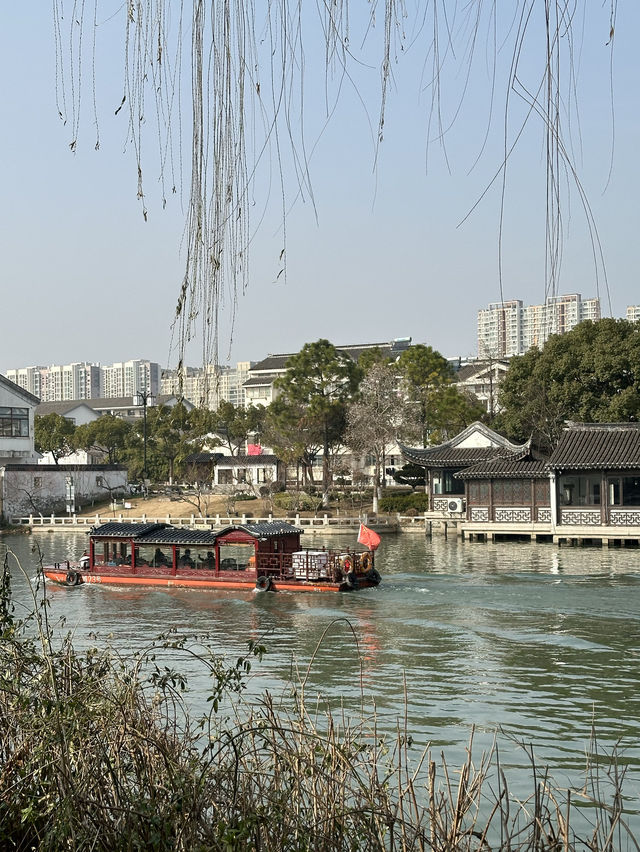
x=86, y=279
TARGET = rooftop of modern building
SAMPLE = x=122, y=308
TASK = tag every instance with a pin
x=278, y=362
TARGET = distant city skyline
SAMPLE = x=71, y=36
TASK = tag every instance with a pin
x=80, y=371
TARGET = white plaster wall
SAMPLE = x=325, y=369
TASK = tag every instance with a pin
x=43, y=490
x=477, y=439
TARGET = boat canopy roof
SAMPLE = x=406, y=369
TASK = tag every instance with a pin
x=154, y=534
x=264, y=529
x=166, y=534
x=113, y=529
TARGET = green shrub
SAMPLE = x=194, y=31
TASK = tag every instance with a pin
x=294, y=502
x=403, y=502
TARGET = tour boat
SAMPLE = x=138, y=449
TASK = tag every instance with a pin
x=264, y=556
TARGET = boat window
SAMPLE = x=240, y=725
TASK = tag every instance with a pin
x=237, y=557
x=185, y=557
x=153, y=556
x=205, y=558
x=196, y=557
x=99, y=553
x=111, y=553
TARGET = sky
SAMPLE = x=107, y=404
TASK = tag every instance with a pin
x=394, y=245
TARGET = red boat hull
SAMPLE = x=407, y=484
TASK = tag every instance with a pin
x=74, y=577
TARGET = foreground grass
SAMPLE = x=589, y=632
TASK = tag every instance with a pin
x=99, y=752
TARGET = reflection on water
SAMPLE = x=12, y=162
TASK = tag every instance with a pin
x=537, y=641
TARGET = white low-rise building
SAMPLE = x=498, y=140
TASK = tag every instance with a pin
x=28, y=488
x=17, y=407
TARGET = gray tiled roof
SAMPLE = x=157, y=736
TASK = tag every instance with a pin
x=354, y=350
x=132, y=530
x=61, y=408
x=443, y=456
x=514, y=467
x=453, y=453
x=173, y=535
x=271, y=363
x=234, y=461
x=264, y=379
x=155, y=533
x=100, y=403
x=263, y=528
x=598, y=445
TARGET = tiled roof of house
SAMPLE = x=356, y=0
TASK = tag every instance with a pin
x=271, y=363
x=444, y=456
x=263, y=380
x=61, y=408
x=452, y=453
x=108, y=403
x=235, y=461
x=354, y=350
x=597, y=445
x=514, y=467
x=203, y=458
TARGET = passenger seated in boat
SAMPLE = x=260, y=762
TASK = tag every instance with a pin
x=185, y=560
x=159, y=558
x=208, y=561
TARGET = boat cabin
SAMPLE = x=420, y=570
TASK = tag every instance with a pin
x=161, y=548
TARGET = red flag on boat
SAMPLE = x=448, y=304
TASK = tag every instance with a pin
x=368, y=537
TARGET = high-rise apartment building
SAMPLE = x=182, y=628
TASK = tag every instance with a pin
x=633, y=313
x=59, y=383
x=500, y=329
x=510, y=328
x=127, y=378
x=209, y=386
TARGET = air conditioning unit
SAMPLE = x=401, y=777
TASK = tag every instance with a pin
x=455, y=504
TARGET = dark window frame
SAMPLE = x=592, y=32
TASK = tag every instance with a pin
x=14, y=421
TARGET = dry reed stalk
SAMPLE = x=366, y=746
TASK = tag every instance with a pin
x=99, y=752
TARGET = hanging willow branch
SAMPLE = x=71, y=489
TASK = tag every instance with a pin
x=247, y=106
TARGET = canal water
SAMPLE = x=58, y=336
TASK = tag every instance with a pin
x=526, y=642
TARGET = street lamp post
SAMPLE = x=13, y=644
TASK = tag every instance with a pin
x=143, y=398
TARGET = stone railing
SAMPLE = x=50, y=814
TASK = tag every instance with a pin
x=193, y=521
